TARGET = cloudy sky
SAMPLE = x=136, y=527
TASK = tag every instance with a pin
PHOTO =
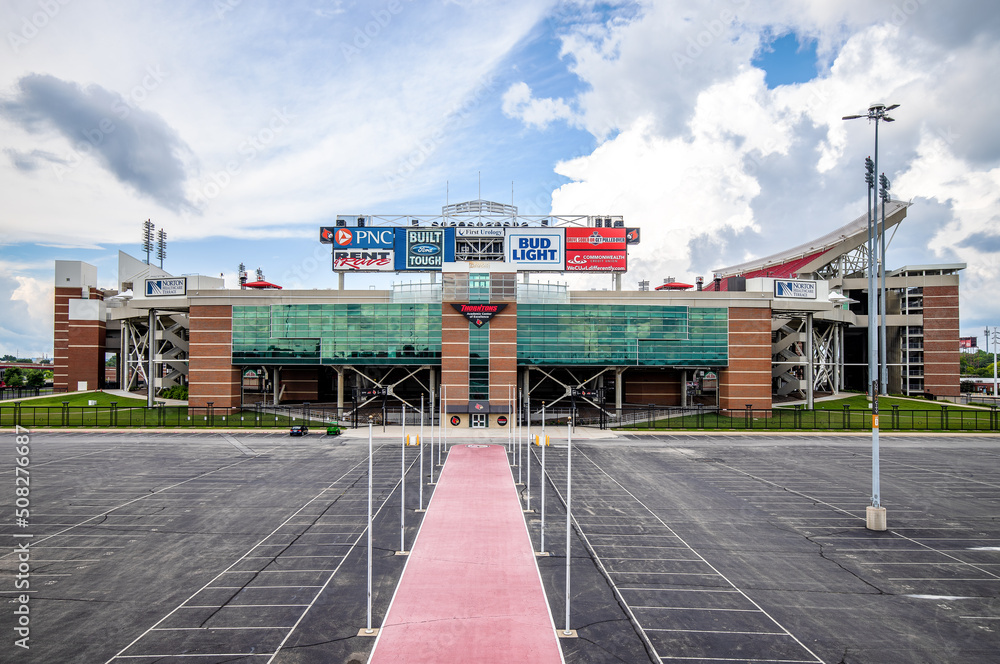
x=239, y=127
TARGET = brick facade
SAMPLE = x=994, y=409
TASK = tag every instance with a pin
x=747, y=379
x=211, y=374
x=941, y=330
x=454, y=355
x=503, y=354
x=78, y=345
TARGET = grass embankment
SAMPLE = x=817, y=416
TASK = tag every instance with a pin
x=909, y=415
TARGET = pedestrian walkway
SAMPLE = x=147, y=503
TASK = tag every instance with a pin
x=470, y=591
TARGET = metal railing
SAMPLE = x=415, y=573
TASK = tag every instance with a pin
x=628, y=418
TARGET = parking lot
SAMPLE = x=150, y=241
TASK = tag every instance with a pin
x=250, y=547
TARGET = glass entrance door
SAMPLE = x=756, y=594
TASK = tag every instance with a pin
x=478, y=420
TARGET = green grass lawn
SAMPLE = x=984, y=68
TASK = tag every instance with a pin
x=50, y=412
x=80, y=399
x=911, y=415
x=885, y=404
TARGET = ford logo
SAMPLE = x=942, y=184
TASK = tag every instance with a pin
x=425, y=249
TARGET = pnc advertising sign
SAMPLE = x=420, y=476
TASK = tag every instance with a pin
x=596, y=261
x=595, y=239
x=357, y=238
x=479, y=313
x=536, y=248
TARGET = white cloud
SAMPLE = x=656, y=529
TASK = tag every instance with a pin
x=716, y=168
x=37, y=295
x=518, y=102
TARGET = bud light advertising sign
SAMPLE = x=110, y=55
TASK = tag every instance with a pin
x=424, y=249
x=539, y=249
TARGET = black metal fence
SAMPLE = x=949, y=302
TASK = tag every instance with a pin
x=895, y=418
x=640, y=418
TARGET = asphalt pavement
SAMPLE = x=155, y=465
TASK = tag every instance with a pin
x=201, y=547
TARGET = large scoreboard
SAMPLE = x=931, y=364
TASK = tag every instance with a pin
x=529, y=248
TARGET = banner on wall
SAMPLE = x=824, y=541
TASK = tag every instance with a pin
x=596, y=261
x=531, y=249
x=364, y=260
x=595, y=239
x=424, y=249
x=478, y=313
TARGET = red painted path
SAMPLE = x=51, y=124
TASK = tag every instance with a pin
x=470, y=591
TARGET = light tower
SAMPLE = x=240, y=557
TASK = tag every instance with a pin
x=875, y=518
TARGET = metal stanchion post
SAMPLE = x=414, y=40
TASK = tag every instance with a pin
x=541, y=528
x=420, y=450
x=567, y=632
x=402, y=489
x=527, y=456
x=368, y=630
x=517, y=428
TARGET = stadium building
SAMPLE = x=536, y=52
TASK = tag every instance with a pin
x=488, y=327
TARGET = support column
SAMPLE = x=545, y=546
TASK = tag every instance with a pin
x=431, y=392
x=843, y=356
x=123, y=374
x=618, y=281
x=340, y=391
x=340, y=281
x=275, y=381
x=151, y=351
x=836, y=358
x=619, y=389
x=809, y=361
x=684, y=388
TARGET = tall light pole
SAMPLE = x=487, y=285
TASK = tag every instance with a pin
x=877, y=112
x=996, y=339
x=884, y=373
x=875, y=518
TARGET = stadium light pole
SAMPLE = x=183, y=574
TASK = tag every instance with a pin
x=877, y=112
x=884, y=186
x=875, y=518
x=996, y=339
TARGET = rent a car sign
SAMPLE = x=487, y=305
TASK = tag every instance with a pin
x=536, y=248
x=363, y=249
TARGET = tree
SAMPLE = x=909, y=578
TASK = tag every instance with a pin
x=34, y=378
x=13, y=376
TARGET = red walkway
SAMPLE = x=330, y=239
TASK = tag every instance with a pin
x=470, y=591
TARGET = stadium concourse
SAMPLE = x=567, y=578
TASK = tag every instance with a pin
x=478, y=332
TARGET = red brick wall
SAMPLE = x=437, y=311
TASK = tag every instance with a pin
x=78, y=346
x=455, y=354
x=747, y=379
x=212, y=376
x=503, y=354
x=660, y=387
x=941, y=360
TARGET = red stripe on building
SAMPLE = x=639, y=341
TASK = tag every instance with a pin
x=470, y=591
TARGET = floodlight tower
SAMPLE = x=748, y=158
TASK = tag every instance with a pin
x=161, y=245
x=877, y=112
x=875, y=518
x=147, y=237
x=883, y=193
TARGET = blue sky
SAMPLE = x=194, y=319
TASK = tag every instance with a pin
x=239, y=128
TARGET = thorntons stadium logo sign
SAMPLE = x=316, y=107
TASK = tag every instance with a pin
x=479, y=313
